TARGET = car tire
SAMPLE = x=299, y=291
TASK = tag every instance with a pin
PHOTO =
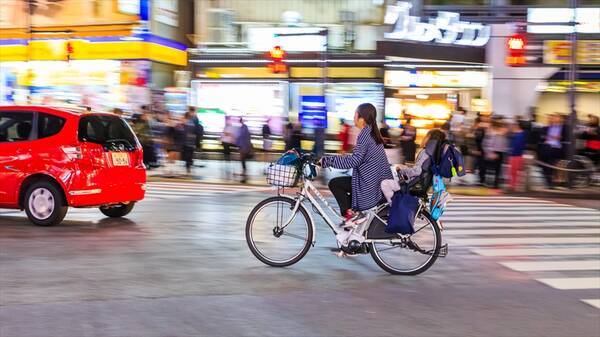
x=117, y=211
x=44, y=204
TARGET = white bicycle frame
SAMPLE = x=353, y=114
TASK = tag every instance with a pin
x=306, y=193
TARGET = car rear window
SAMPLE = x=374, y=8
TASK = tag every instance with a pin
x=109, y=131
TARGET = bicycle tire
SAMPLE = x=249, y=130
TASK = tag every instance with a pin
x=394, y=271
x=256, y=252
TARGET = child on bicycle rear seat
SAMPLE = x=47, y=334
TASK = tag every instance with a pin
x=369, y=166
x=422, y=164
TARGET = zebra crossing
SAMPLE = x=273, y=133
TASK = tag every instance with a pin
x=158, y=191
x=556, y=244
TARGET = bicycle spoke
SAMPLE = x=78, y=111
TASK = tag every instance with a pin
x=392, y=247
x=294, y=236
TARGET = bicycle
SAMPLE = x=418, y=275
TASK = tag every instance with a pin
x=280, y=230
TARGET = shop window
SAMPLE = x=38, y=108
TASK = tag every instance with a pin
x=49, y=125
x=15, y=126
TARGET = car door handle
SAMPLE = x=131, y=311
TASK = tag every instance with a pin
x=10, y=168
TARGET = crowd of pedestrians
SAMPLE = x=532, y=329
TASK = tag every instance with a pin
x=494, y=146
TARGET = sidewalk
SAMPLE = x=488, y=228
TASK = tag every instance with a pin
x=222, y=172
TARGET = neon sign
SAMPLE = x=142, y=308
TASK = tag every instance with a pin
x=446, y=28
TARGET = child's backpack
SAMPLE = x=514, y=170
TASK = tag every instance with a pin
x=449, y=162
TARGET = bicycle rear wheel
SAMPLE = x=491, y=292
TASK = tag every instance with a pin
x=409, y=255
x=271, y=242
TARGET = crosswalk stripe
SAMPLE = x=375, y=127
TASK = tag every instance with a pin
x=518, y=208
x=553, y=265
x=529, y=231
x=451, y=224
x=572, y=283
x=519, y=217
x=523, y=241
x=452, y=211
x=202, y=188
x=593, y=302
x=502, y=202
x=203, y=185
x=537, y=251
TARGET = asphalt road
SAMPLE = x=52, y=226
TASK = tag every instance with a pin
x=179, y=266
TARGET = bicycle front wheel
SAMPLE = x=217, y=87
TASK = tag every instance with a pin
x=272, y=239
x=409, y=255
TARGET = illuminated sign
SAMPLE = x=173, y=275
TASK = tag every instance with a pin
x=446, y=28
x=435, y=79
x=557, y=20
x=559, y=52
x=264, y=38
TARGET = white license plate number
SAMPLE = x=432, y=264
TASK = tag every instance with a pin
x=120, y=159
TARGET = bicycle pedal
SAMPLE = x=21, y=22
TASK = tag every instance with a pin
x=444, y=251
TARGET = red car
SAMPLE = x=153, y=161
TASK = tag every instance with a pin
x=52, y=158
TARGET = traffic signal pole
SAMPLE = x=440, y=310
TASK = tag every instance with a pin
x=572, y=79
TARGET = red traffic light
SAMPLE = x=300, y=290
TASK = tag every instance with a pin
x=516, y=42
x=515, y=45
x=277, y=53
x=277, y=64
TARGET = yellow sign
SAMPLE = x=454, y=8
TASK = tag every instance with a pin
x=559, y=52
x=56, y=50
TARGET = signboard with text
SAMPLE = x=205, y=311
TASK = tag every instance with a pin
x=446, y=28
x=313, y=112
x=559, y=52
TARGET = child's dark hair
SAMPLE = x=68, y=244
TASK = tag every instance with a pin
x=368, y=112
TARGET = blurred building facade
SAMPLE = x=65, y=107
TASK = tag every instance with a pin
x=102, y=54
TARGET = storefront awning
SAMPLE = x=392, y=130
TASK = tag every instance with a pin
x=141, y=46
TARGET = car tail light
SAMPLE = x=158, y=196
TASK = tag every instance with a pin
x=139, y=158
x=73, y=152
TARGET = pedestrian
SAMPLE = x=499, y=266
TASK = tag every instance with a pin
x=228, y=138
x=384, y=130
x=141, y=127
x=479, y=132
x=494, y=149
x=344, y=136
x=518, y=144
x=266, y=136
x=591, y=136
x=319, y=142
x=192, y=133
x=551, y=150
x=296, y=137
x=174, y=141
x=456, y=124
x=287, y=135
x=118, y=112
x=244, y=143
x=408, y=139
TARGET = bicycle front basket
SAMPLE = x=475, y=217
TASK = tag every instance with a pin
x=282, y=175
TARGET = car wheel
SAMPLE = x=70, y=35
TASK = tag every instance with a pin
x=118, y=210
x=44, y=204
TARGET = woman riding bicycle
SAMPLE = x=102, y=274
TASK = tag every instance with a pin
x=370, y=167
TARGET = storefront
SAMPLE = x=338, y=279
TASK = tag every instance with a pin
x=429, y=97
x=435, y=66
x=99, y=72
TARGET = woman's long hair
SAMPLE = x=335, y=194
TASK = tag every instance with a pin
x=368, y=112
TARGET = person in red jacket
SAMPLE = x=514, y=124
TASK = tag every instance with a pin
x=344, y=137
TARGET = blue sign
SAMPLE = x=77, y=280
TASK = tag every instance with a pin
x=313, y=112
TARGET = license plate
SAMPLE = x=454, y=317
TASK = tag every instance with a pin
x=120, y=158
